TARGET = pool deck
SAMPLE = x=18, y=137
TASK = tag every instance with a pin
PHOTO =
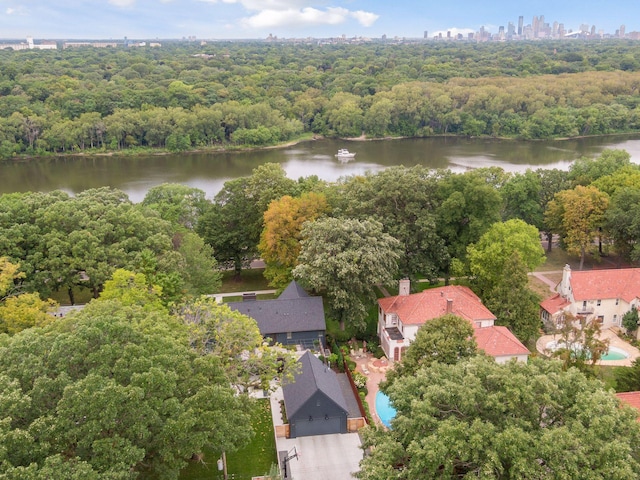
x=614, y=341
x=375, y=371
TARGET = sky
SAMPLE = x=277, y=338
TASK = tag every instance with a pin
x=235, y=19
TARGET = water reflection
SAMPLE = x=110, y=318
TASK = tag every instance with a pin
x=209, y=171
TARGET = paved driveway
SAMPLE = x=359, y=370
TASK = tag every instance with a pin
x=323, y=457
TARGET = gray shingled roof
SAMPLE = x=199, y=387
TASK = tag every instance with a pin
x=314, y=376
x=292, y=311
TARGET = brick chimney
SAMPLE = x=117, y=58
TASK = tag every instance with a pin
x=449, y=305
x=404, y=288
x=564, y=288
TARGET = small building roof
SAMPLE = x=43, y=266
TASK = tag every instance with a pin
x=313, y=377
x=621, y=283
x=631, y=398
x=554, y=304
x=417, y=308
x=293, y=311
x=498, y=341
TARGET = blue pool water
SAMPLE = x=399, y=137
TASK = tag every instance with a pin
x=385, y=411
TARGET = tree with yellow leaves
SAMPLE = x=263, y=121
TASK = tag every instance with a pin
x=280, y=239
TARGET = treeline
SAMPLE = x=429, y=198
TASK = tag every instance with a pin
x=185, y=96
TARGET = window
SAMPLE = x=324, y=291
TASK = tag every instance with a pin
x=598, y=302
x=615, y=319
x=617, y=301
x=600, y=319
x=289, y=336
x=584, y=304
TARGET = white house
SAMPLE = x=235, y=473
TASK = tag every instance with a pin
x=600, y=295
x=400, y=317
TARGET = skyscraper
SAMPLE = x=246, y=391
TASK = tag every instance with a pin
x=520, y=23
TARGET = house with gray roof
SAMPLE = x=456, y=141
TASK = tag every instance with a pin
x=294, y=318
x=314, y=401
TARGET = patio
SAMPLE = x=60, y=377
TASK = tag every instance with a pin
x=608, y=334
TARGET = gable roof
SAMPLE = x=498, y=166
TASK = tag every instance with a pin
x=293, y=290
x=417, y=308
x=555, y=304
x=621, y=283
x=498, y=341
x=314, y=377
x=293, y=311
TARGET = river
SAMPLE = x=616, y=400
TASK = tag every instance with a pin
x=208, y=171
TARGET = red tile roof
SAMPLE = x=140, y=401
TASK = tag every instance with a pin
x=622, y=283
x=417, y=308
x=630, y=398
x=499, y=341
x=555, y=303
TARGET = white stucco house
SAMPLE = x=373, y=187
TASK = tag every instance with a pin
x=400, y=317
x=600, y=295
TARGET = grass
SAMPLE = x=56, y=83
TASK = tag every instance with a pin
x=252, y=461
x=81, y=295
x=250, y=280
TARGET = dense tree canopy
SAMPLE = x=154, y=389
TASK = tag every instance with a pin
x=479, y=419
x=112, y=392
x=344, y=259
x=189, y=96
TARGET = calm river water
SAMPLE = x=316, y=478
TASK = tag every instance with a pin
x=209, y=171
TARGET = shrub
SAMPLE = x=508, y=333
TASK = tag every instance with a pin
x=359, y=379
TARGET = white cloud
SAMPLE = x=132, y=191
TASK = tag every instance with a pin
x=10, y=11
x=296, y=13
x=122, y=3
x=366, y=19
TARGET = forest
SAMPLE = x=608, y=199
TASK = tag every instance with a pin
x=234, y=94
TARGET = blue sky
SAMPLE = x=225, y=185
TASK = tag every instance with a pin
x=219, y=19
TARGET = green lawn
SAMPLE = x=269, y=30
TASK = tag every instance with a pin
x=249, y=281
x=252, y=461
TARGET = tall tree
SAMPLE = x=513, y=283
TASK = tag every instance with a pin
x=622, y=222
x=178, y=204
x=488, y=257
x=404, y=201
x=280, y=240
x=578, y=216
x=344, y=259
x=479, y=419
x=447, y=339
x=113, y=392
x=585, y=171
x=468, y=206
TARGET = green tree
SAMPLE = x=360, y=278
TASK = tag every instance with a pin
x=468, y=206
x=579, y=343
x=622, y=222
x=279, y=243
x=404, y=201
x=487, y=257
x=630, y=320
x=9, y=273
x=577, y=215
x=131, y=288
x=178, y=204
x=512, y=301
x=112, y=392
x=479, y=419
x=344, y=259
x=585, y=171
x=25, y=311
x=447, y=339
x=235, y=340
x=628, y=378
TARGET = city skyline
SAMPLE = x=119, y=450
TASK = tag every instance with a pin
x=229, y=19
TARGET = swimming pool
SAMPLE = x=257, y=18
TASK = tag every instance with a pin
x=385, y=411
x=614, y=353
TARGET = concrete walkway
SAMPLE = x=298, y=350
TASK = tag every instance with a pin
x=375, y=370
x=542, y=276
